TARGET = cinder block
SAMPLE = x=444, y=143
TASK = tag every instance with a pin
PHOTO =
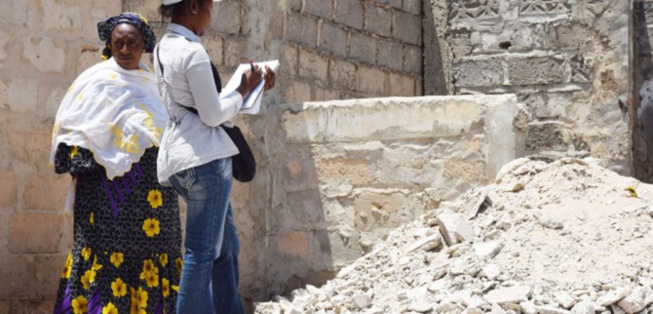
x=378, y=20
x=535, y=71
x=24, y=95
x=227, y=17
x=297, y=91
x=333, y=39
x=233, y=51
x=46, y=54
x=407, y=28
x=313, y=66
x=371, y=81
x=31, y=147
x=4, y=39
x=18, y=276
x=414, y=59
x=401, y=85
x=289, y=59
x=302, y=29
x=343, y=73
x=8, y=189
x=391, y=55
x=322, y=8
x=35, y=232
x=294, y=244
x=46, y=192
x=350, y=13
x=362, y=48
x=476, y=73
x=48, y=270
x=325, y=94
x=148, y=9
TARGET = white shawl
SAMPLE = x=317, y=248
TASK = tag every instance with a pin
x=115, y=113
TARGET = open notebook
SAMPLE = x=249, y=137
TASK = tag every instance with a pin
x=252, y=103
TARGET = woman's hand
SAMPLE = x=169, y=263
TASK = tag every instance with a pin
x=249, y=80
x=270, y=79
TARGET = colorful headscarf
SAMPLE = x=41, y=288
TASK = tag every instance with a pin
x=106, y=27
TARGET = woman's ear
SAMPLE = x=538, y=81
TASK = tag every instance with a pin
x=194, y=7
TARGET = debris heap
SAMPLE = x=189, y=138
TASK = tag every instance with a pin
x=563, y=237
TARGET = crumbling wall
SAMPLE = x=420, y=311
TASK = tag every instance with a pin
x=567, y=60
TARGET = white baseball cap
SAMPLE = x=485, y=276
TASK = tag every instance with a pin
x=167, y=2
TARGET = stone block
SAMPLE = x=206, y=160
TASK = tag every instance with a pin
x=148, y=9
x=342, y=73
x=215, y=48
x=354, y=171
x=18, y=276
x=302, y=29
x=522, y=38
x=46, y=192
x=460, y=43
x=313, y=65
x=233, y=52
x=413, y=6
x=8, y=189
x=333, y=39
x=294, y=244
x=18, y=14
x=289, y=59
x=535, y=71
x=547, y=136
x=371, y=81
x=31, y=147
x=397, y=4
x=24, y=95
x=350, y=13
x=569, y=36
x=363, y=48
x=46, y=54
x=378, y=211
x=89, y=56
x=325, y=94
x=454, y=228
x=297, y=91
x=637, y=300
x=407, y=28
x=48, y=268
x=514, y=295
x=322, y=8
x=378, y=20
x=402, y=85
x=390, y=55
x=477, y=73
x=35, y=232
x=413, y=61
x=227, y=17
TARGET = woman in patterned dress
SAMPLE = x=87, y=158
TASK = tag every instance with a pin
x=127, y=238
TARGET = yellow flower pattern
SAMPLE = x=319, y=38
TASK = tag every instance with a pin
x=74, y=152
x=163, y=259
x=110, y=309
x=165, y=287
x=179, y=263
x=139, y=297
x=91, y=219
x=86, y=253
x=155, y=198
x=127, y=144
x=119, y=288
x=96, y=266
x=88, y=278
x=80, y=305
x=65, y=273
x=116, y=259
x=151, y=227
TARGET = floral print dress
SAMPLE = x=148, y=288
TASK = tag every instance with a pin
x=127, y=239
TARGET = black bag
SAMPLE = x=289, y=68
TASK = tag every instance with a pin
x=243, y=164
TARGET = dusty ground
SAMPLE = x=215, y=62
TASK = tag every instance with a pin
x=560, y=237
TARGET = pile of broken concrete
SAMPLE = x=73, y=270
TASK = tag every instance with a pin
x=562, y=237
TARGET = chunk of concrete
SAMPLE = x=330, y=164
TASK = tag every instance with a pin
x=454, y=228
x=516, y=294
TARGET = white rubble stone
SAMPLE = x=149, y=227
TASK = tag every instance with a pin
x=361, y=301
x=550, y=310
x=565, y=300
x=548, y=222
x=528, y=307
x=515, y=294
x=584, y=307
x=427, y=244
x=491, y=271
x=616, y=309
x=488, y=250
x=637, y=300
x=420, y=307
x=454, y=228
x=613, y=296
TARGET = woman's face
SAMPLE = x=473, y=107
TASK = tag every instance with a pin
x=127, y=46
x=204, y=17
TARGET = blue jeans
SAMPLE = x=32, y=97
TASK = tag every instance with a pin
x=209, y=277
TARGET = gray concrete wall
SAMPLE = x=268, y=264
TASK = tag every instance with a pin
x=567, y=60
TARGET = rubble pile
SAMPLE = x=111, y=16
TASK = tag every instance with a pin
x=562, y=237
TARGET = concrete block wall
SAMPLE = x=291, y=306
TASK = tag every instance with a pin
x=44, y=45
x=567, y=60
x=344, y=173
